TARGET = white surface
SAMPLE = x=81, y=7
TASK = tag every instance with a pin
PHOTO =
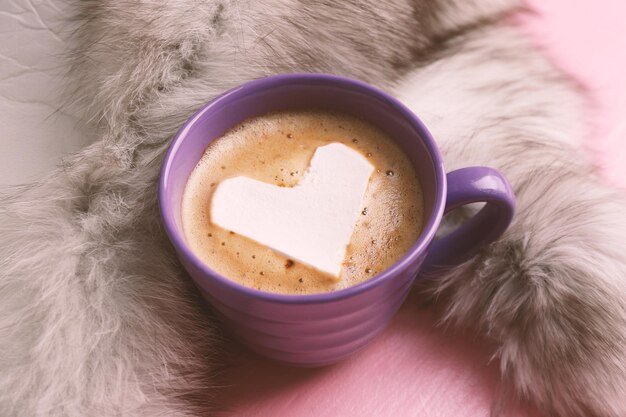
x=34, y=131
x=311, y=222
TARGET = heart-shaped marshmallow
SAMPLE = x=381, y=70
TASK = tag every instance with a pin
x=311, y=222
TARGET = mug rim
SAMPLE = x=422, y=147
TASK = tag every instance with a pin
x=259, y=85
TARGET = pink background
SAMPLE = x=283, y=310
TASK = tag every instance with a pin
x=416, y=368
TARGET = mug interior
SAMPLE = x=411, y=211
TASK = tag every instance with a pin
x=293, y=92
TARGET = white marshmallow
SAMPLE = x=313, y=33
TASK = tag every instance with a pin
x=311, y=222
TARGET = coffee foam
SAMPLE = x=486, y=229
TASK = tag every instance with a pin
x=277, y=149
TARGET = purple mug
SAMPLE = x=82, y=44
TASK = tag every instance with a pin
x=320, y=329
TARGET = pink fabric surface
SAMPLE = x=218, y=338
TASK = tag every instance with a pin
x=413, y=369
x=588, y=40
x=416, y=368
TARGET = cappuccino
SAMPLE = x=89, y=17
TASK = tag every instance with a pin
x=277, y=149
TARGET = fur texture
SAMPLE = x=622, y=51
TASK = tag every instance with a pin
x=551, y=293
x=96, y=317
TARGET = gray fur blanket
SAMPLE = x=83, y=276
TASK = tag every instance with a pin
x=97, y=317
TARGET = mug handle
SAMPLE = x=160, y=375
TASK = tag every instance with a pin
x=465, y=186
